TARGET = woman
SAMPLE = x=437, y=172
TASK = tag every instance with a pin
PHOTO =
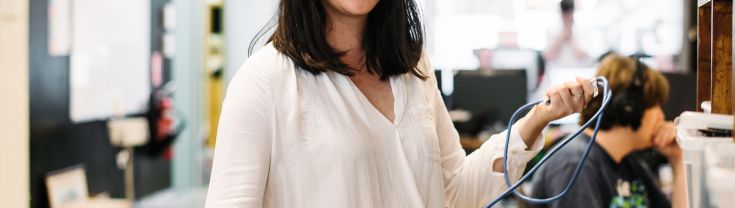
x=337, y=110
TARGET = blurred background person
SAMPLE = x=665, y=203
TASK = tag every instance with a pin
x=565, y=49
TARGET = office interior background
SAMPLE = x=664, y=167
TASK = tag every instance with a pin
x=117, y=101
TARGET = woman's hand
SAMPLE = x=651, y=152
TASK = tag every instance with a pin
x=566, y=99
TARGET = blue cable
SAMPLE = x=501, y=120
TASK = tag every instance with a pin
x=606, y=97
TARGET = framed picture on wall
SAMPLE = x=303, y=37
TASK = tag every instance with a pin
x=67, y=185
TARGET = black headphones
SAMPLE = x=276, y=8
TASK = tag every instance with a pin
x=627, y=107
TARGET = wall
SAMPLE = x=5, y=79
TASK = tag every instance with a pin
x=14, y=190
x=243, y=19
x=56, y=142
x=189, y=74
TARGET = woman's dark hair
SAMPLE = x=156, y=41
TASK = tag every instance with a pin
x=392, y=42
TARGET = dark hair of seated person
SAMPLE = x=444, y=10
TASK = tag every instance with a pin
x=620, y=70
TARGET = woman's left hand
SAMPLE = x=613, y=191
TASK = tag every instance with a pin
x=570, y=97
x=566, y=99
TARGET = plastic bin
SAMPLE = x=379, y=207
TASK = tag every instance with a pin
x=720, y=174
x=693, y=145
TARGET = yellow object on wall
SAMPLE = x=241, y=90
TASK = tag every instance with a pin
x=214, y=66
x=215, y=86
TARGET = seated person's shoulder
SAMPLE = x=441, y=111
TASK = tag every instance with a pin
x=569, y=156
x=554, y=176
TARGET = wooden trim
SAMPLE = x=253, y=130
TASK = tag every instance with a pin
x=14, y=105
x=733, y=77
x=704, y=58
x=721, y=56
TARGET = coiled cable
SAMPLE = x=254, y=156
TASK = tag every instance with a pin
x=597, y=118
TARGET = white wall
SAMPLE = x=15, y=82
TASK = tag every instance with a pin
x=243, y=19
x=14, y=159
x=188, y=73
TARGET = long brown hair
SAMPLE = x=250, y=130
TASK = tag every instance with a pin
x=393, y=38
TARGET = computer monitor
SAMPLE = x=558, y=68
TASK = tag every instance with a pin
x=682, y=94
x=489, y=98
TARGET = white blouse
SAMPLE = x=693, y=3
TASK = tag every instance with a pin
x=288, y=138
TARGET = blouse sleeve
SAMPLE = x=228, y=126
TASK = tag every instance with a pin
x=469, y=180
x=243, y=149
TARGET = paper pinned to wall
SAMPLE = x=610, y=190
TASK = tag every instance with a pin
x=109, y=59
x=59, y=27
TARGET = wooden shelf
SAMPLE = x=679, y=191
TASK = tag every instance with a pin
x=715, y=55
x=714, y=49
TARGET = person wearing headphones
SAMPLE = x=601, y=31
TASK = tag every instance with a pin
x=614, y=175
x=338, y=110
